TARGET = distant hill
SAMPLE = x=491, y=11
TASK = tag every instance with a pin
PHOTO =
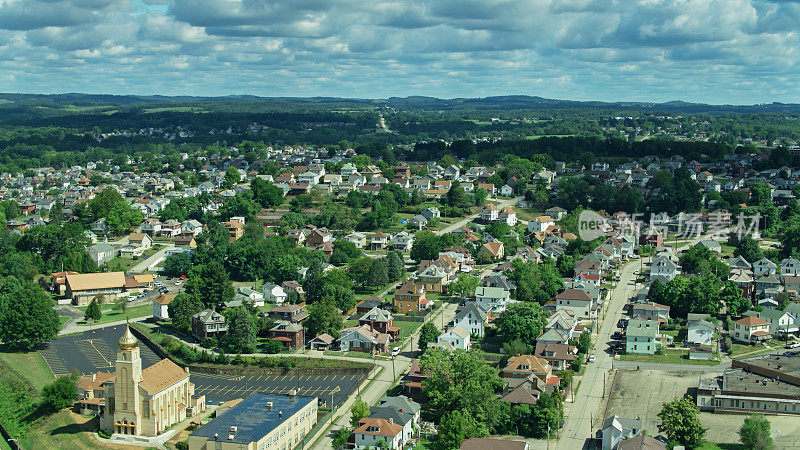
x=420, y=103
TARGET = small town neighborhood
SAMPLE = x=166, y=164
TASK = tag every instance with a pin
x=406, y=276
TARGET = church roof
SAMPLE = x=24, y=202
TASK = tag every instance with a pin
x=162, y=375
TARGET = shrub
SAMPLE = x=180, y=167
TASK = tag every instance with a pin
x=209, y=343
x=60, y=393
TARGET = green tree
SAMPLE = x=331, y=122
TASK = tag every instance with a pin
x=457, y=426
x=60, y=394
x=241, y=335
x=427, y=334
x=755, y=433
x=323, y=318
x=464, y=286
x=93, y=311
x=177, y=264
x=340, y=437
x=232, y=177
x=680, y=420
x=210, y=283
x=27, y=317
x=748, y=249
x=182, y=308
x=395, y=266
x=358, y=411
x=458, y=381
x=265, y=193
x=378, y=275
x=523, y=321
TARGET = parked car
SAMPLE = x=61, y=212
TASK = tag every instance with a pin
x=591, y=358
x=395, y=351
x=794, y=344
x=178, y=283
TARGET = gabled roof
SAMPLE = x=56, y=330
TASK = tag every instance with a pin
x=162, y=375
x=376, y=314
x=574, y=294
x=385, y=428
x=87, y=281
x=750, y=321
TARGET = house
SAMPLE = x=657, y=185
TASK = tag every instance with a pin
x=402, y=241
x=472, y=318
x=491, y=251
x=578, y=302
x=377, y=241
x=160, y=306
x=138, y=243
x=651, y=310
x=524, y=366
x=553, y=336
x=641, y=442
x=101, y=253
x=250, y=296
x=170, y=228
x=288, y=312
x=261, y=421
x=616, y=429
x=235, y=229
x=380, y=320
x=410, y=297
x=641, y=336
x=433, y=278
x=408, y=410
x=489, y=213
x=506, y=191
x=207, y=324
x=491, y=298
x=371, y=431
x=751, y=329
x=560, y=356
x=508, y=215
x=192, y=227
x=556, y=212
x=363, y=338
x=699, y=333
x=318, y=236
x=540, y=223
x=664, y=266
x=396, y=416
x=764, y=266
x=456, y=337
x=274, y=293
x=431, y=212
x=740, y=263
x=790, y=267
x=91, y=392
x=358, y=239
x=711, y=245
x=780, y=323
x=322, y=342
x=290, y=334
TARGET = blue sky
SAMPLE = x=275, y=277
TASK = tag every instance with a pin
x=714, y=51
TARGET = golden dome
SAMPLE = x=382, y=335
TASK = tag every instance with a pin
x=128, y=340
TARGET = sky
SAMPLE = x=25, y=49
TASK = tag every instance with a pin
x=712, y=51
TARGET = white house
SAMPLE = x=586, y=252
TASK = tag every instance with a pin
x=457, y=337
x=471, y=318
x=540, y=223
x=101, y=253
x=506, y=191
x=274, y=293
x=578, y=302
x=191, y=226
x=663, y=266
x=160, y=306
x=764, y=266
x=615, y=429
x=790, y=266
x=700, y=332
x=402, y=241
x=492, y=298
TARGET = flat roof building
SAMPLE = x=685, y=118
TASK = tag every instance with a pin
x=261, y=421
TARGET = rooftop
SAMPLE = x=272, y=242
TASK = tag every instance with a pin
x=252, y=418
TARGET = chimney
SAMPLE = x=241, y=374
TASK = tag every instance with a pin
x=94, y=377
x=280, y=414
x=269, y=406
x=391, y=420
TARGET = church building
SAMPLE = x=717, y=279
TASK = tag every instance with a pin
x=147, y=402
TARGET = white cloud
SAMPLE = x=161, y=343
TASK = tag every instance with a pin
x=709, y=50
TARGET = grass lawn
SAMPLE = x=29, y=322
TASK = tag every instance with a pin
x=407, y=328
x=670, y=356
x=713, y=446
x=353, y=354
x=63, y=320
x=750, y=350
x=31, y=365
x=131, y=313
x=66, y=429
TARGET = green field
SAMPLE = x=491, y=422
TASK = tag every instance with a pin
x=195, y=109
x=670, y=356
x=32, y=364
x=117, y=314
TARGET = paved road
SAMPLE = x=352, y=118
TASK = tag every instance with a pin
x=468, y=219
x=590, y=396
x=143, y=265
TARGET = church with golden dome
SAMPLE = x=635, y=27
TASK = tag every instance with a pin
x=146, y=402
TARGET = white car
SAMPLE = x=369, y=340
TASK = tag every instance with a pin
x=794, y=344
x=395, y=351
x=179, y=282
x=591, y=358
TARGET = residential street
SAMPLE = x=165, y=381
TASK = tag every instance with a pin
x=143, y=265
x=583, y=415
x=468, y=219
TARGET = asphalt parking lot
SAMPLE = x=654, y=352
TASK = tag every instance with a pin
x=96, y=351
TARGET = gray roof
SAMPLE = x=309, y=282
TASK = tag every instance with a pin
x=252, y=418
x=400, y=402
x=101, y=247
x=793, y=309
x=701, y=323
x=642, y=328
x=769, y=313
x=377, y=314
x=627, y=424
x=391, y=414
